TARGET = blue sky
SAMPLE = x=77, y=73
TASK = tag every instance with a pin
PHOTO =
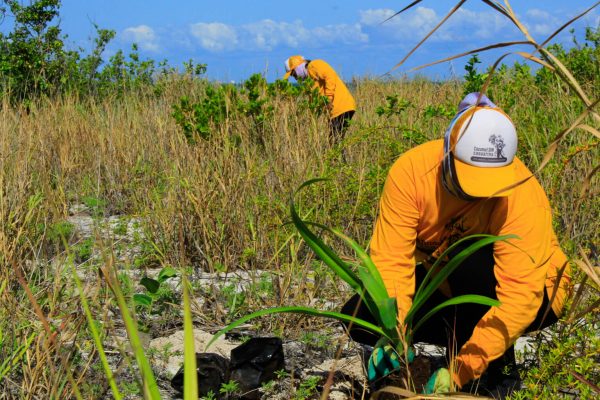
x=237, y=38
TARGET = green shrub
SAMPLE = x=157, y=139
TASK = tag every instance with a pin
x=62, y=230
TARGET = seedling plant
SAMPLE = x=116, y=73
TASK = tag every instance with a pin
x=365, y=280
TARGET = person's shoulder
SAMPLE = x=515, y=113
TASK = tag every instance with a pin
x=422, y=157
x=431, y=150
x=319, y=64
x=524, y=174
x=530, y=192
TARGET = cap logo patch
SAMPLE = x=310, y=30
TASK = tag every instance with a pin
x=490, y=154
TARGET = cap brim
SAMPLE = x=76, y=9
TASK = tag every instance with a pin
x=287, y=74
x=485, y=182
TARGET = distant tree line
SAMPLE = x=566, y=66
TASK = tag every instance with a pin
x=34, y=60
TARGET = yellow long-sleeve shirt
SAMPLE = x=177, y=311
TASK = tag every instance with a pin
x=329, y=84
x=418, y=215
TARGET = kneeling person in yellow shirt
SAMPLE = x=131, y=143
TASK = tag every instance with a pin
x=470, y=182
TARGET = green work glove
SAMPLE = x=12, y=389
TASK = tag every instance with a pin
x=439, y=382
x=384, y=360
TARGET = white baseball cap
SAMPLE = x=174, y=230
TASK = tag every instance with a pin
x=479, y=148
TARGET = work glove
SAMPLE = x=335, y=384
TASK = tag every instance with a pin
x=384, y=360
x=439, y=382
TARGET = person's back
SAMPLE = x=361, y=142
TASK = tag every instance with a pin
x=330, y=85
x=441, y=219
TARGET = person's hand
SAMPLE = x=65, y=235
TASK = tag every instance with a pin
x=439, y=382
x=384, y=360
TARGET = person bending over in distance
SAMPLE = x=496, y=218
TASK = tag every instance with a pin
x=341, y=105
x=469, y=182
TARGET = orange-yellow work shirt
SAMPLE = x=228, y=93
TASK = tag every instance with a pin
x=329, y=84
x=417, y=215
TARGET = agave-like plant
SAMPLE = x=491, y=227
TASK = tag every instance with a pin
x=365, y=280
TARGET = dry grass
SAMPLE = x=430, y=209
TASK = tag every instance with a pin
x=220, y=204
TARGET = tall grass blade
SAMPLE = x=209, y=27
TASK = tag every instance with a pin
x=533, y=58
x=554, y=292
x=589, y=270
x=96, y=336
x=581, y=378
x=456, y=7
x=51, y=336
x=455, y=260
x=190, y=377
x=411, y=5
x=556, y=32
x=150, y=387
x=590, y=129
x=467, y=298
x=299, y=310
x=323, y=251
x=376, y=298
x=396, y=391
x=498, y=7
x=478, y=50
x=386, y=308
x=592, y=307
x=11, y=361
x=428, y=288
x=568, y=78
x=554, y=145
x=576, y=300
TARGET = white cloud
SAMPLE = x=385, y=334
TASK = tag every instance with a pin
x=538, y=14
x=482, y=25
x=214, y=36
x=541, y=22
x=415, y=24
x=267, y=34
x=142, y=35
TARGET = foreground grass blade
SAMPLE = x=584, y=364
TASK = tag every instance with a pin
x=14, y=356
x=13, y=359
x=454, y=9
x=149, y=382
x=97, y=339
x=386, y=309
x=299, y=310
x=427, y=289
x=434, y=268
x=368, y=284
x=414, y=3
x=467, y=298
x=323, y=251
x=190, y=377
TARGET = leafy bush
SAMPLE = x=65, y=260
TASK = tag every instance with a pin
x=196, y=119
x=35, y=62
x=473, y=80
x=582, y=60
x=253, y=99
x=32, y=58
x=394, y=106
